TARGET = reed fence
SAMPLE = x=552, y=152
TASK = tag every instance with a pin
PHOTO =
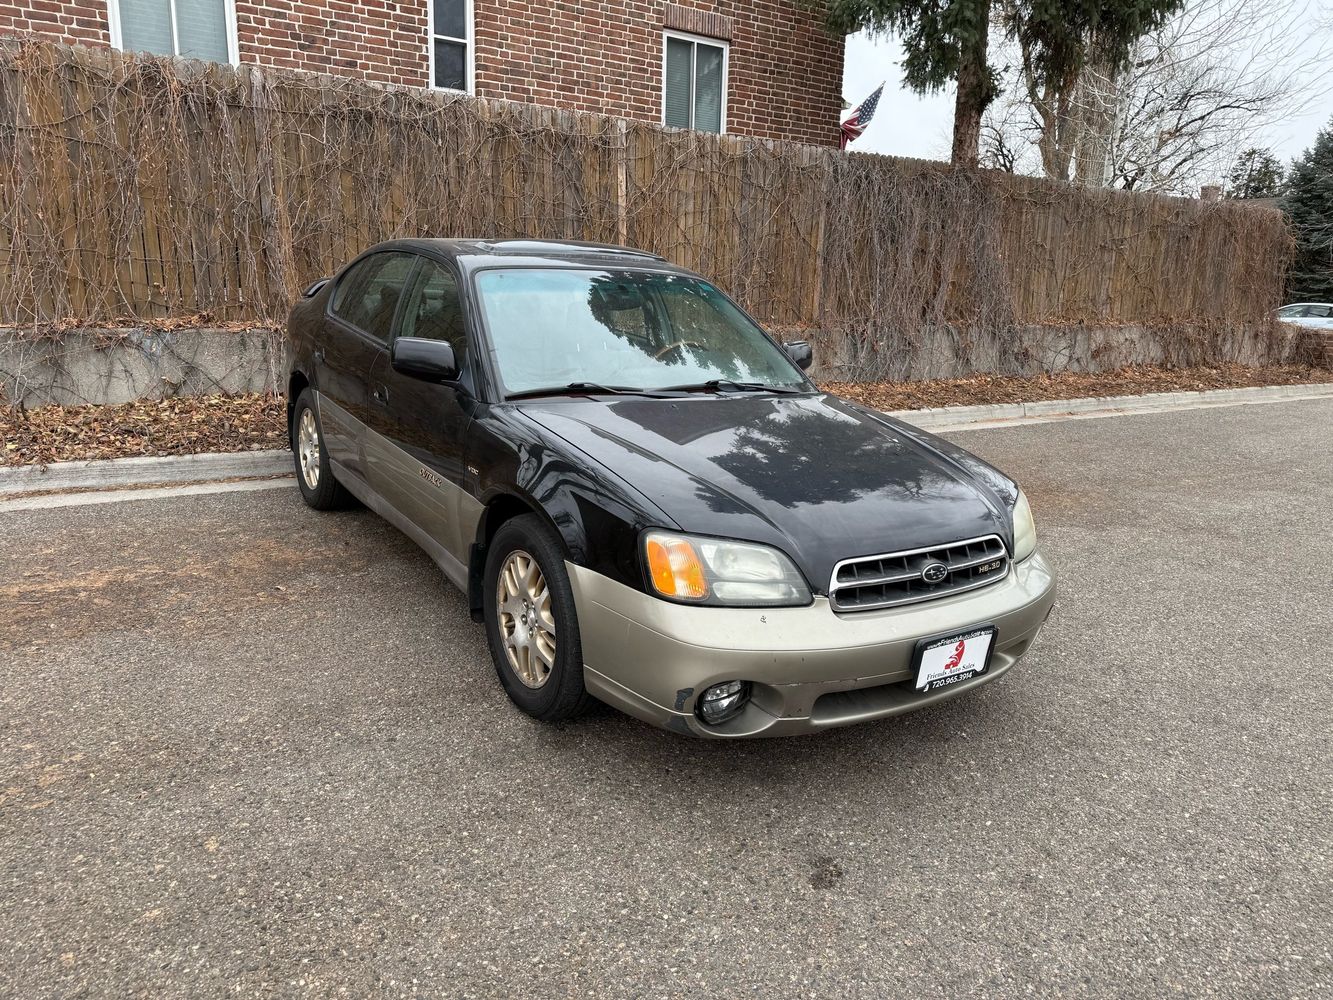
x=147, y=188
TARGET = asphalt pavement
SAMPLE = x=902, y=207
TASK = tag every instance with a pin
x=251, y=750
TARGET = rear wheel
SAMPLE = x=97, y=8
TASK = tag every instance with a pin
x=531, y=624
x=313, y=474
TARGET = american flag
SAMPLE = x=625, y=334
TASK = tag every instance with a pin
x=858, y=120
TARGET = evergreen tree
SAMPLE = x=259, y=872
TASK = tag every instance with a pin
x=1257, y=174
x=1309, y=204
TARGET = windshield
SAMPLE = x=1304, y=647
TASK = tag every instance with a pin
x=550, y=327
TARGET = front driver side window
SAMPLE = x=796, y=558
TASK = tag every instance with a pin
x=368, y=295
x=433, y=311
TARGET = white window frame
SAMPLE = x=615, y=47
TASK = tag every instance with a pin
x=229, y=15
x=717, y=43
x=469, y=42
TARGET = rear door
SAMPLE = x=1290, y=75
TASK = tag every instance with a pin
x=359, y=324
x=421, y=466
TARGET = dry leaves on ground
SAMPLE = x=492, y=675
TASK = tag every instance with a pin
x=1132, y=381
x=192, y=424
x=180, y=426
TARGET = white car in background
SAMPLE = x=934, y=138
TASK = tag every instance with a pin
x=1316, y=315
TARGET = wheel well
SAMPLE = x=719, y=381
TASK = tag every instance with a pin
x=498, y=511
x=296, y=385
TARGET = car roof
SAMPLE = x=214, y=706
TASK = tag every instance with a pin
x=473, y=254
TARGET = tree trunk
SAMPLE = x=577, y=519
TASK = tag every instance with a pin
x=1096, y=120
x=976, y=90
x=1053, y=142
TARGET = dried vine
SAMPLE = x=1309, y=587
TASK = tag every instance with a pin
x=144, y=188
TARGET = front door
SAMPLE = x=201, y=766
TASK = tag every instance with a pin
x=421, y=464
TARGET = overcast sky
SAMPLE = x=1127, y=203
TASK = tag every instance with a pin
x=908, y=124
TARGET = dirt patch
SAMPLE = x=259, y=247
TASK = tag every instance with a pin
x=192, y=424
x=825, y=873
x=194, y=580
x=1135, y=380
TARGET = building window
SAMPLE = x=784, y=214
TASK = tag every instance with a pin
x=694, y=83
x=451, y=44
x=198, y=29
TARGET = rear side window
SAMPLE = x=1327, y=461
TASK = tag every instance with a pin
x=367, y=297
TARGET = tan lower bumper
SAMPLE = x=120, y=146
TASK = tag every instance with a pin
x=810, y=668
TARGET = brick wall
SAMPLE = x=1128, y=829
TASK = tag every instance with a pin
x=785, y=73
x=69, y=21
x=383, y=41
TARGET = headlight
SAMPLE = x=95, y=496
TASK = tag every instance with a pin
x=730, y=574
x=1025, y=532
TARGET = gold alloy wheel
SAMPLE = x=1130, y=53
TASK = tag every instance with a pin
x=527, y=624
x=307, y=448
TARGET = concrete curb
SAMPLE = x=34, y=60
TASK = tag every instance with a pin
x=958, y=418
x=84, y=498
x=131, y=472
x=126, y=472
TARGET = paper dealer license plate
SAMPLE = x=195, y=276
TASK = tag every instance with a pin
x=942, y=662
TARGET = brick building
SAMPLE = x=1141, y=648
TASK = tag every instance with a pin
x=762, y=68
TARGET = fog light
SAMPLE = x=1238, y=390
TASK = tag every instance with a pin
x=723, y=701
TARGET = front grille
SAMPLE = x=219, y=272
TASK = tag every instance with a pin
x=896, y=578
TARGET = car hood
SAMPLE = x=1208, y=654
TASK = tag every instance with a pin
x=819, y=477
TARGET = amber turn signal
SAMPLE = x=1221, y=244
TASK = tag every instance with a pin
x=676, y=569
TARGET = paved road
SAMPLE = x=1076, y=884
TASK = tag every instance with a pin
x=248, y=749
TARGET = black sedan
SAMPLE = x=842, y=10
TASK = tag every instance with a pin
x=644, y=497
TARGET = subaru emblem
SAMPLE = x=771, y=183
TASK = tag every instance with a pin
x=935, y=572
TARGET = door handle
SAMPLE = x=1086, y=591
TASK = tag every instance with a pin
x=319, y=355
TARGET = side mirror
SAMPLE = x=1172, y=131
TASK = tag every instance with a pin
x=429, y=360
x=800, y=352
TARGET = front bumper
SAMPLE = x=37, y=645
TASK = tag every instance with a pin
x=810, y=668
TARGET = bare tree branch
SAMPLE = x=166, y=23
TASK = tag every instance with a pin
x=1207, y=85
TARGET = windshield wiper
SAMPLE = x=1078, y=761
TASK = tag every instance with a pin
x=719, y=384
x=585, y=389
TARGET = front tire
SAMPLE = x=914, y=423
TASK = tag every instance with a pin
x=314, y=474
x=531, y=624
